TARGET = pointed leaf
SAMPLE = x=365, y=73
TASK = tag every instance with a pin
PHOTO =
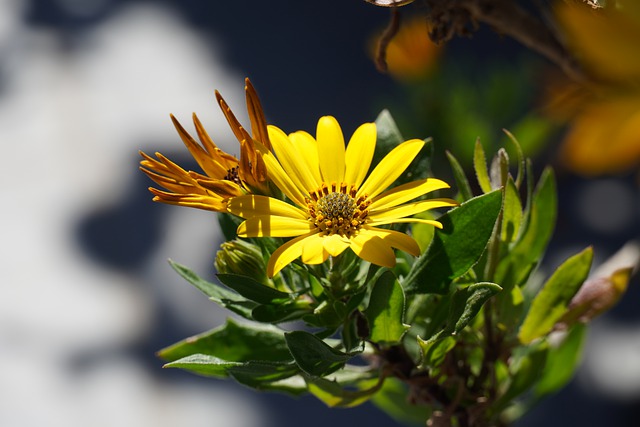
x=218, y=294
x=457, y=247
x=236, y=342
x=461, y=179
x=535, y=232
x=204, y=364
x=552, y=301
x=254, y=290
x=480, y=166
x=333, y=394
x=562, y=362
x=313, y=355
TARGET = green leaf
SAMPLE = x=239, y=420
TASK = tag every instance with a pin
x=461, y=178
x=218, y=294
x=480, y=166
x=392, y=399
x=423, y=233
x=313, y=355
x=552, y=301
x=386, y=309
x=254, y=290
x=204, y=364
x=457, y=247
x=466, y=304
x=434, y=352
x=280, y=313
x=259, y=375
x=229, y=225
x=236, y=342
x=535, y=233
x=463, y=308
x=519, y=157
x=562, y=362
x=512, y=213
x=333, y=394
x=525, y=371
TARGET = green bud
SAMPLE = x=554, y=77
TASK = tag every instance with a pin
x=243, y=258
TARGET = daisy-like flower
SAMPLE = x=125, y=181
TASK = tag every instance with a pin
x=224, y=176
x=334, y=206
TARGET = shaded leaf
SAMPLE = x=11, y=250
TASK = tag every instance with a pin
x=333, y=394
x=218, y=294
x=392, y=399
x=313, y=355
x=434, y=352
x=254, y=290
x=562, y=361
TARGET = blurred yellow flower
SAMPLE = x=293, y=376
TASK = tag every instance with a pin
x=604, y=136
x=225, y=176
x=411, y=55
x=335, y=206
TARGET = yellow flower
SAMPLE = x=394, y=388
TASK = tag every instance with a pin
x=335, y=206
x=604, y=136
x=411, y=55
x=224, y=175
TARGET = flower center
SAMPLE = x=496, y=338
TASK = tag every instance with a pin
x=335, y=209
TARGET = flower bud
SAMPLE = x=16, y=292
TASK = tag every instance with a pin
x=243, y=258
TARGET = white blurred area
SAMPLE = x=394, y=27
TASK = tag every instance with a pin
x=71, y=121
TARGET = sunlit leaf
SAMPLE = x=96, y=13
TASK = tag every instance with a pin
x=551, y=303
x=457, y=247
x=386, y=310
x=235, y=342
x=480, y=166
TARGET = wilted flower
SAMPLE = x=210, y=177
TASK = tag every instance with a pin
x=224, y=176
x=335, y=206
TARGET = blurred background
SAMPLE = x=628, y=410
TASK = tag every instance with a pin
x=87, y=295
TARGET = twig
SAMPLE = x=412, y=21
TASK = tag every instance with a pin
x=385, y=39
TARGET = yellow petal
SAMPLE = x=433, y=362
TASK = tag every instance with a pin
x=286, y=253
x=372, y=248
x=391, y=167
x=395, y=239
x=407, y=220
x=360, y=153
x=313, y=251
x=330, y=149
x=280, y=177
x=409, y=209
x=274, y=226
x=335, y=244
x=221, y=187
x=404, y=193
x=210, y=162
x=308, y=148
x=254, y=205
x=290, y=159
x=256, y=115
